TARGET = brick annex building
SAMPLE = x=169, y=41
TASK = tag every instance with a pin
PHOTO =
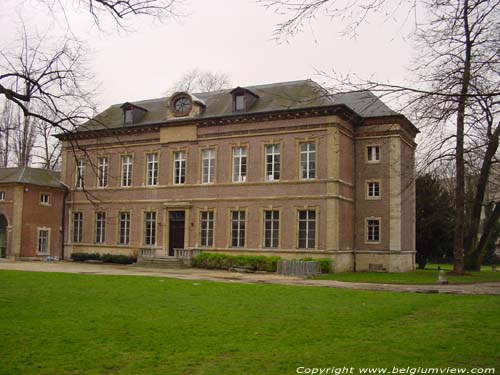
x=280, y=169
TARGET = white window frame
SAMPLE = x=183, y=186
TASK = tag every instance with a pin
x=239, y=102
x=152, y=169
x=373, y=231
x=150, y=222
x=307, y=158
x=373, y=189
x=271, y=242
x=45, y=199
x=126, y=169
x=207, y=228
x=311, y=238
x=208, y=166
x=76, y=226
x=100, y=227
x=102, y=171
x=240, y=163
x=124, y=227
x=272, y=160
x=179, y=167
x=373, y=154
x=80, y=174
x=238, y=227
x=2, y=195
x=43, y=242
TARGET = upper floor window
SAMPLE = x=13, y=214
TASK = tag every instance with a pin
x=273, y=161
x=243, y=99
x=179, y=167
x=45, y=199
x=124, y=228
x=77, y=227
x=126, y=179
x=2, y=195
x=79, y=173
x=206, y=228
x=306, y=229
x=239, y=102
x=152, y=169
x=373, y=230
x=373, y=154
x=100, y=227
x=43, y=241
x=238, y=220
x=102, y=172
x=208, y=166
x=373, y=189
x=271, y=228
x=239, y=164
x=307, y=160
x=128, y=117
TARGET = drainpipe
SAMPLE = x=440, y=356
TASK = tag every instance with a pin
x=355, y=208
x=63, y=219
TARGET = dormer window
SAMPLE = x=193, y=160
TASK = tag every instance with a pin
x=132, y=113
x=243, y=99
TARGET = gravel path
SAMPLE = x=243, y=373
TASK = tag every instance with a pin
x=246, y=278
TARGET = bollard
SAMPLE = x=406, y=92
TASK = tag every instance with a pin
x=442, y=278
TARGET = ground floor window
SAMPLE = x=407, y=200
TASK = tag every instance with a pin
x=271, y=228
x=306, y=229
x=238, y=228
x=77, y=227
x=373, y=230
x=124, y=228
x=206, y=228
x=150, y=228
x=43, y=241
x=100, y=227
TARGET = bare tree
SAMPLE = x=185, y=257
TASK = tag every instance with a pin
x=456, y=91
x=200, y=81
x=6, y=124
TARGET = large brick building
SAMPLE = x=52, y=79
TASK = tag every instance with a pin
x=31, y=209
x=281, y=169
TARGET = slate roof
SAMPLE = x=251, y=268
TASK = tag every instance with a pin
x=272, y=97
x=33, y=176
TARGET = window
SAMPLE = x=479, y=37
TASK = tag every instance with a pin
x=239, y=164
x=102, y=172
x=179, y=167
x=43, y=241
x=126, y=170
x=307, y=229
x=271, y=228
x=273, y=160
x=100, y=227
x=373, y=189
x=206, y=228
x=239, y=103
x=373, y=230
x=150, y=228
x=151, y=169
x=373, y=154
x=77, y=228
x=45, y=199
x=128, y=116
x=79, y=173
x=124, y=228
x=307, y=160
x=238, y=228
x=208, y=166
x=2, y=195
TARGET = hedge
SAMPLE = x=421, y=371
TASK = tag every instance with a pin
x=224, y=262
x=106, y=258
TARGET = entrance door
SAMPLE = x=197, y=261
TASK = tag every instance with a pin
x=3, y=236
x=176, y=225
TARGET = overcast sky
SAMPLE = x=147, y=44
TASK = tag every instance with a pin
x=232, y=37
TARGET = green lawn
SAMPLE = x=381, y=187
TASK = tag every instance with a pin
x=89, y=324
x=427, y=276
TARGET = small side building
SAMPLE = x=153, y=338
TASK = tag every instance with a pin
x=31, y=213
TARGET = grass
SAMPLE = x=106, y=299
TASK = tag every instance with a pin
x=427, y=276
x=91, y=324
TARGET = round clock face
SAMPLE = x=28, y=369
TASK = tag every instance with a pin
x=181, y=105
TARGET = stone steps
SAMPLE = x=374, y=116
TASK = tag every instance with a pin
x=160, y=263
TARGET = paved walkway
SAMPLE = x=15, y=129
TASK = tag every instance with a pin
x=246, y=278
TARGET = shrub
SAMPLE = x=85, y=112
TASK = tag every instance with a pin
x=224, y=262
x=81, y=257
x=324, y=263
x=107, y=258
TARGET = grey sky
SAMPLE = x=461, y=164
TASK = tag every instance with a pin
x=234, y=37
